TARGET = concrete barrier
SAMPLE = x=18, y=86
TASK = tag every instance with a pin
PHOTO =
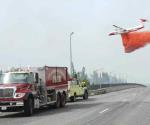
x=113, y=89
x=97, y=92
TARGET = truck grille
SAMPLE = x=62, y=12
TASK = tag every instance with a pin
x=6, y=93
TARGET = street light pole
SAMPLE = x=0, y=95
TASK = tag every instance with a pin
x=101, y=70
x=71, y=63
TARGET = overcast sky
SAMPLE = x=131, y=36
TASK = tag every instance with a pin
x=36, y=32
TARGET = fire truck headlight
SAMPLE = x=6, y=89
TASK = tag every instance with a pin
x=19, y=95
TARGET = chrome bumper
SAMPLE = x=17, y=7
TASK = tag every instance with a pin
x=5, y=105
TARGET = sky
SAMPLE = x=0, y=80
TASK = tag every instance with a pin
x=36, y=33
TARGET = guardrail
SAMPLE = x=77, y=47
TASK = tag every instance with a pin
x=114, y=87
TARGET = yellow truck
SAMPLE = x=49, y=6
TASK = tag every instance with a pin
x=77, y=89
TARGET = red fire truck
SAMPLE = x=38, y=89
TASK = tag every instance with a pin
x=32, y=88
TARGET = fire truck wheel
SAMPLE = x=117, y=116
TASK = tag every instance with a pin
x=57, y=103
x=63, y=100
x=85, y=96
x=28, y=107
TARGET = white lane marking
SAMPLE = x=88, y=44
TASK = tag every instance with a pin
x=124, y=100
x=134, y=94
x=104, y=111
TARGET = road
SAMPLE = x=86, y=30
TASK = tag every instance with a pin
x=126, y=107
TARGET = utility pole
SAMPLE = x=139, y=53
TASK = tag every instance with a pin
x=71, y=62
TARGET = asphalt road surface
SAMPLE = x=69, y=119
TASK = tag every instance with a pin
x=126, y=107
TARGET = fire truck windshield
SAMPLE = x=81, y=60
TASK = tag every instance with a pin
x=9, y=78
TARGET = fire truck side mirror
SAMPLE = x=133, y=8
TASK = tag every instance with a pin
x=36, y=78
x=77, y=82
x=75, y=76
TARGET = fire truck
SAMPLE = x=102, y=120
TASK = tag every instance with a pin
x=33, y=88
